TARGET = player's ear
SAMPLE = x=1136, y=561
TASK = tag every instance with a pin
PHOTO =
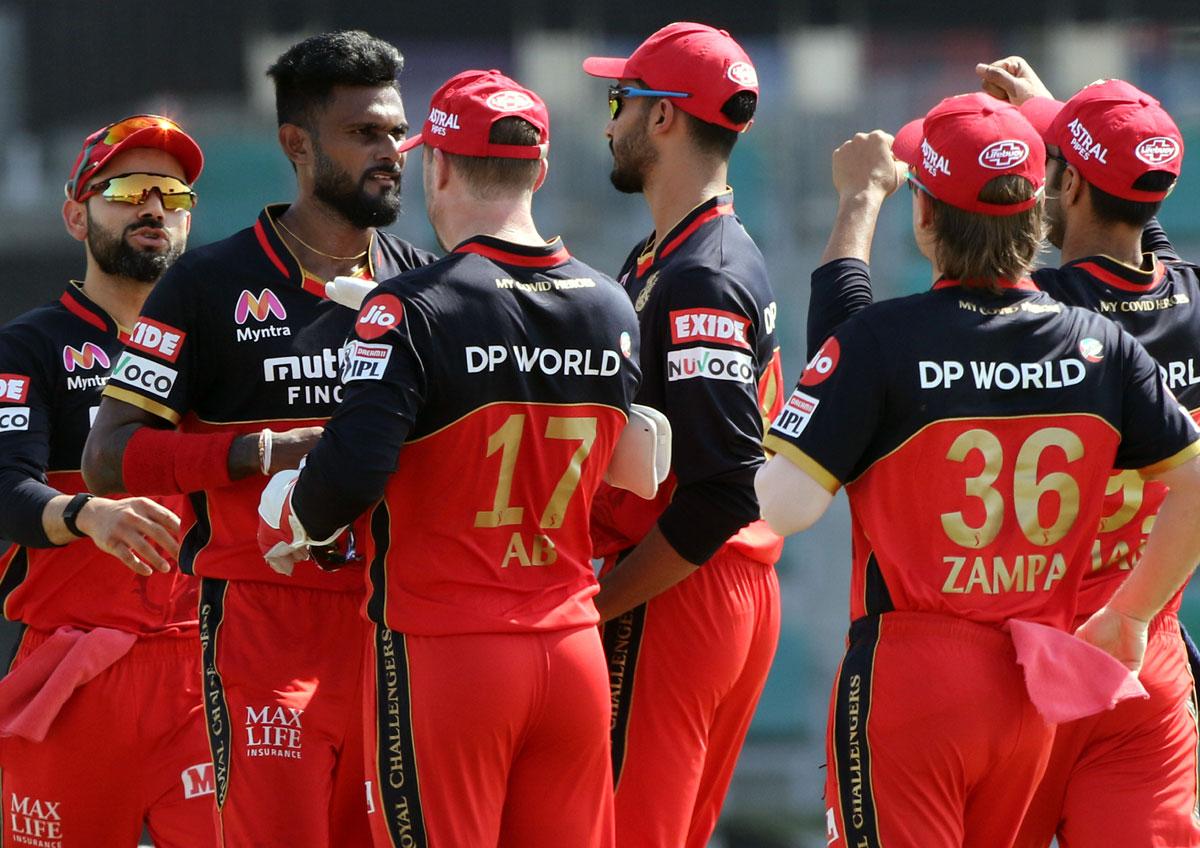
x=440, y=170
x=660, y=117
x=296, y=143
x=924, y=212
x=543, y=169
x=1071, y=188
x=75, y=218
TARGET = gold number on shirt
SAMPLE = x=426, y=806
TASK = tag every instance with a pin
x=1028, y=488
x=507, y=439
x=1132, y=488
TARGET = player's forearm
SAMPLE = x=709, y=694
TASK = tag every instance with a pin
x=1172, y=550
x=854, y=226
x=839, y=289
x=650, y=569
x=24, y=507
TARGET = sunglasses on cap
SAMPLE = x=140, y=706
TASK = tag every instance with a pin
x=618, y=93
x=136, y=188
x=114, y=134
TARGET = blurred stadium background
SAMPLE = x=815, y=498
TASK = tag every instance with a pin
x=827, y=67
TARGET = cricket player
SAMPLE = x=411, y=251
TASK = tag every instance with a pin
x=227, y=378
x=100, y=708
x=484, y=397
x=692, y=605
x=1125, y=777
x=974, y=426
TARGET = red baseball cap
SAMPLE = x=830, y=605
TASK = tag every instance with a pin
x=696, y=59
x=1113, y=133
x=153, y=131
x=463, y=110
x=967, y=141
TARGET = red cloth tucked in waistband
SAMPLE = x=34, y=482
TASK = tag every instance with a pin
x=1067, y=678
x=32, y=694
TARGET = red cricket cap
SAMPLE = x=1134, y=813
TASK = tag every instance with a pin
x=153, y=131
x=462, y=111
x=967, y=141
x=695, y=59
x=1113, y=133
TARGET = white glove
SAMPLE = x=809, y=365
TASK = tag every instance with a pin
x=642, y=457
x=349, y=291
x=281, y=537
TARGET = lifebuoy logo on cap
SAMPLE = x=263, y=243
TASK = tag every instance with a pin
x=1157, y=151
x=1002, y=155
x=743, y=74
x=510, y=101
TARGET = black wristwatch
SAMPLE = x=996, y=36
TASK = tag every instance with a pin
x=71, y=512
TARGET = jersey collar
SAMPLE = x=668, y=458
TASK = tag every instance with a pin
x=285, y=262
x=657, y=248
x=1023, y=284
x=549, y=255
x=1119, y=275
x=83, y=307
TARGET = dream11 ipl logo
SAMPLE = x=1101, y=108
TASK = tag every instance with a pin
x=85, y=359
x=260, y=307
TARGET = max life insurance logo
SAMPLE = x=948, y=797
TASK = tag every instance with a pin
x=85, y=358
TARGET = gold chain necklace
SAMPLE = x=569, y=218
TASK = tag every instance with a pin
x=303, y=243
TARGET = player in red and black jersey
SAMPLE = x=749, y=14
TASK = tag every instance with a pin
x=1128, y=776
x=684, y=690
x=986, y=419
x=106, y=619
x=236, y=342
x=485, y=395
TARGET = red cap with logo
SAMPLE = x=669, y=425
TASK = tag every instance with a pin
x=696, y=59
x=1113, y=133
x=463, y=110
x=153, y=131
x=967, y=141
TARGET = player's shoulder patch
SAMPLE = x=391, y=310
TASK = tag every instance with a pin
x=796, y=413
x=379, y=315
x=364, y=361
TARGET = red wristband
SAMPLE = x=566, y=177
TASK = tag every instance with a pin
x=162, y=462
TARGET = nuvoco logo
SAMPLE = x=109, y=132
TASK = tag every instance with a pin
x=85, y=359
x=261, y=307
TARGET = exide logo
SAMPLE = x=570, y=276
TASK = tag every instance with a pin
x=260, y=307
x=160, y=339
x=1157, y=151
x=86, y=358
x=1002, y=155
x=381, y=315
x=14, y=388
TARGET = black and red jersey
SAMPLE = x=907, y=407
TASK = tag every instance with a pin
x=1159, y=304
x=484, y=396
x=975, y=434
x=54, y=362
x=238, y=336
x=710, y=362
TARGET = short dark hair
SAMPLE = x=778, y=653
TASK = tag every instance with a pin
x=496, y=176
x=718, y=140
x=306, y=74
x=978, y=249
x=1117, y=210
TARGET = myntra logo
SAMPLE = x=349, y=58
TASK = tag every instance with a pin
x=88, y=357
x=260, y=307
